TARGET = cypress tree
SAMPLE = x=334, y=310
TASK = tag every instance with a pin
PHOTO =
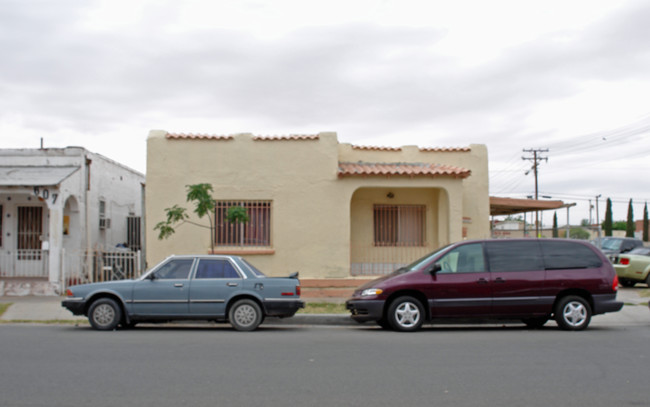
x=608, y=223
x=645, y=223
x=555, y=232
x=630, y=227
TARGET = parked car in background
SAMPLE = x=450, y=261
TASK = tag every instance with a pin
x=633, y=267
x=616, y=245
x=512, y=279
x=220, y=288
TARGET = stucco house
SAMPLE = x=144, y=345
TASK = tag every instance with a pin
x=330, y=210
x=61, y=211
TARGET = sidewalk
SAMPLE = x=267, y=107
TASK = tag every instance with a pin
x=48, y=308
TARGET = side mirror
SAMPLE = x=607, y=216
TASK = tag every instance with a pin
x=151, y=276
x=434, y=268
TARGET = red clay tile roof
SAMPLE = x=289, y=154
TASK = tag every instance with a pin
x=407, y=169
x=445, y=149
x=197, y=136
x=373, y=148
x=289, y=137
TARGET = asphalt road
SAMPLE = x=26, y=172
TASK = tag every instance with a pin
x=324, y=366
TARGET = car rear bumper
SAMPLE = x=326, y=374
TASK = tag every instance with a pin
x=282, y=308
x=365, y=310
x=606, y=303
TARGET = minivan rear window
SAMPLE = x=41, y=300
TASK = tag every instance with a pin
x=514, y=256
x=568, y=255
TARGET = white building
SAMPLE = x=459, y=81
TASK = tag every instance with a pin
x=61, y=208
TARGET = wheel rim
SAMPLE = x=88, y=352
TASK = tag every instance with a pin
x=575, y=313
x=245, y=315
x=407, y=315
x=104, y=314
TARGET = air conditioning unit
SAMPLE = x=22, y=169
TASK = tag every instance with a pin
x=104, y=223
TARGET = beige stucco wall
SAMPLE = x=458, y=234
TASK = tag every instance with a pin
x=312, y=207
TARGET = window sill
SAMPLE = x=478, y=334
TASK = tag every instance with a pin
x=244, y=251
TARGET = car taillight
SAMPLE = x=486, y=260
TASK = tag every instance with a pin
x=68, y=292
x=624, y=261
x=615, y=283
x=298, y=290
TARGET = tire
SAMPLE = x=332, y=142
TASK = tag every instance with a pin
x=627, y=283
x=647, y=280
x=104, y=314
x=245, y=315
x=384, y=324
x=535, y=323
x=573, y=313
x=406, y=314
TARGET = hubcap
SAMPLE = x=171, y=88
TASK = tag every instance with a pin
x=575, y=313
x=245, y=315
x=407, y=314
x=104, y=314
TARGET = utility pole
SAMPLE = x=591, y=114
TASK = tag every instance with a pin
x=536, y=158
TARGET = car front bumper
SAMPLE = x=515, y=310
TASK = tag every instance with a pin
x=365, y=310
x=76, y=306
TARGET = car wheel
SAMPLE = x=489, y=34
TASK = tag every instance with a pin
x=627, y=283
x=104, y=314
x=535, y=323
x=647, y=280
x=383, y=323
x=406, y=314
x=245, y=315
x=573, y=313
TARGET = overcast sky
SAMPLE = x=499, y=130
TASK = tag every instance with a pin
x=572, y=77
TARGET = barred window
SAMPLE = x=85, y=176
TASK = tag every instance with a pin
x=399, y=225
x=255, y=232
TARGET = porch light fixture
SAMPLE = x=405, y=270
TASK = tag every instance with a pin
x=390, y=195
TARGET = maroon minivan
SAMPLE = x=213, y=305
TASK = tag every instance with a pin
x=516, y=279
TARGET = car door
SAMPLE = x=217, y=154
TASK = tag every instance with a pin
x=461, y=286
x=167, y=292
x=517, y=277
x=214, y=282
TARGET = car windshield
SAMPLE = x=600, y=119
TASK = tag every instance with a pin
x=611, y=244
x=416, y=265
x=642, y=251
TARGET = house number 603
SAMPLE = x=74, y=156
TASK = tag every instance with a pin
x=45, y=194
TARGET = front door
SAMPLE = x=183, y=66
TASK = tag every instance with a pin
x=462, y=285
x=167, y=293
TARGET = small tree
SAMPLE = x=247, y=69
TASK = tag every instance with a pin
x=607, y=223
x=631, y=227
x=204, y=205
x=555, y=232
x=645, y=222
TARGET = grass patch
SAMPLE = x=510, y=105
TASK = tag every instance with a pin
x=4, y=306
x=323, y=308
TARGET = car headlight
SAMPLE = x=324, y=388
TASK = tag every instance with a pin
x=371, y=292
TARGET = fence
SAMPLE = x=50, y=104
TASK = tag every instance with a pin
x=24, y=263
x=372, y=260
x=96, y=266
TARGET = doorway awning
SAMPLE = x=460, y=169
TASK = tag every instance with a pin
x=511, y=206
x=34, y=175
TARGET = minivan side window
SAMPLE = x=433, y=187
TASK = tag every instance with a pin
x=514, y=256
x=568, y=255
x=467, y=258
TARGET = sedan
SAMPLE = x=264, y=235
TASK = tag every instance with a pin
x=633, y=267
x=211, y=287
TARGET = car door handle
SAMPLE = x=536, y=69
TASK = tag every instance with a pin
x=482, y=281
x=232, y=284
x=178, y=285
x=499, y=280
